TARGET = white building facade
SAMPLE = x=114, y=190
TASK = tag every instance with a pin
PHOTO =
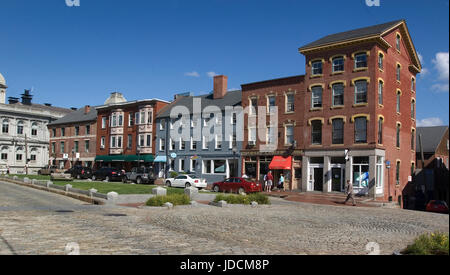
x=23, y=132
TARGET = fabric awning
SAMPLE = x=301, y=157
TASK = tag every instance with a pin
x=125, y=158
x=281, y=163
x=160, y=159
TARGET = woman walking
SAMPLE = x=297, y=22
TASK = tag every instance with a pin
x=281, y=183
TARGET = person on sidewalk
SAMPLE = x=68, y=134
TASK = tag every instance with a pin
x=269, y=181
x=281, y=183
x=349, y=192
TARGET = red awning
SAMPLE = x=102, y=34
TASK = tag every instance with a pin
x=281, y=163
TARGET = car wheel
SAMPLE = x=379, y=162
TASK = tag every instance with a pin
x=139, y=180
x=107, y=179
x=168, y=184
x=216, y=188
x=241, y=191
x=187, y=185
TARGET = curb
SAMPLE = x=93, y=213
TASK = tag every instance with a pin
x=56, y=191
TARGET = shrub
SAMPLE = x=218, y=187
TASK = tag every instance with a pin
x=429, y=244
x=173, y=174
x=243, y=199
x=175, y=199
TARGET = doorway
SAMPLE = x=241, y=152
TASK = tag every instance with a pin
x=337, y=179
x=318, y=179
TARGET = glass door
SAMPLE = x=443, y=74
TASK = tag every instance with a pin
x=337, y=179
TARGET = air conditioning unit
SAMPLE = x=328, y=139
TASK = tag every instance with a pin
x=252, y=142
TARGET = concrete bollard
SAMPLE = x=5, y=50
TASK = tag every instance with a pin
x=48, y=184
x=168, y=205
x=112, y=196
x=33, y=181
x=26, y=180
x=194, y=203
x=67, y=187
x=222, y=204
x=92, y=191
x=191, y=192
x=159, y=191
x=254, y=204
x=15, y=178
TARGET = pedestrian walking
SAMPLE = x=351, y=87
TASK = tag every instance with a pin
x=269, y=181
x=281, y=183
x=349, y=192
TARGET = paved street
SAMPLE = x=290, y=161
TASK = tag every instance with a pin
x=36, y=222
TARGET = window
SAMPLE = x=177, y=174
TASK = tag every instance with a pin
x=113, y=121
x=207, y=166
x=136, y=118
x=338, y=131
x=62, y=147
x=338, y=64
x=120, y=123
x=181, y=145
x=289, y=140
x=181, y=168
x=316, y=132
x=162, y=144
x=130, y=141
x=63, y=132
x=34, y=129
x=413, y=109
x=290, y=103
x=150, y=117
x=397, y=173
x=270, y=139
x=142, y=141
x=252, y=134
x=142, y=118
x=205, y=143
x=413, y=84
x=54, y=132
x=397, y=42
x=413, y=139
x=4, y=156
x=77, y=130
x=399, y=67
x=360, y=92
x=193, y=144
x=380, y=130
x=316, y=97
x=149, y=141
x=361, y=61
x=130, y=119
x=5, y=126
x=33, y=155
x=398, y=101
x=76, y=146
x=219, y=166
x=193, y=165
x=398, y=135
x=113, y=142
x=271, y=103
x=103, y=122
x=218, y=141
x=380, y=92
x=338, y=94
x=379, y=172
x=119, y=142
x=253, y=106
x=20, y=128
x=86, y=146
x=360, y=130
x=53, y=147
x=380, y=61
x=19, y=157
x=360, y=172
x=88, y=129
x=316, y=67
x=162, y=124
x=102, y=143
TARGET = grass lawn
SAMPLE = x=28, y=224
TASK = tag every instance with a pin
x=106, y=187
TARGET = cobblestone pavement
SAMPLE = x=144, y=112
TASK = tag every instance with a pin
x=31, y=223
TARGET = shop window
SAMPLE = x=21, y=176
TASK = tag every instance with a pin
x=361, y=172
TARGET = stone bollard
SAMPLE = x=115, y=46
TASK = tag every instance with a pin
x=254, y=204
x=67, y=187
x=92, y=191
x=222, y=204
x=48, y=184
x=194, y=203
x=112, y=196
x=168, y=205
x=191, y=192
x=26, y=180
x=159, y=191
x=15, y=178
x=33, y=181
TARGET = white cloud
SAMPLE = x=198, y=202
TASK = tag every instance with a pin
x=441, y=65
x=421, y=58
x=211, y=74
x=424, y=72
x=192, y=74
x=440, y=87
x=429, y=122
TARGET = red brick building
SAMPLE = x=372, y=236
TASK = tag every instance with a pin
x=126, y=132
x=73, y=139
x=354, y=115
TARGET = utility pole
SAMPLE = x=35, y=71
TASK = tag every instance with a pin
x=26, y=154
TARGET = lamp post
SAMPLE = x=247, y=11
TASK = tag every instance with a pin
x=73, y=153
x=234, y=161
x=138, y=149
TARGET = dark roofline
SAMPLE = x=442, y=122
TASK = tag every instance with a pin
x=273, y=82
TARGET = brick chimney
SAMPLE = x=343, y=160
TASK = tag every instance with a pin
x=220, y=86
x=87, y=109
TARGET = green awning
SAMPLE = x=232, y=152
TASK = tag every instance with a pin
x=125, y=158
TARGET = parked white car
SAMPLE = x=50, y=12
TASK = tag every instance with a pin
x=186, y=181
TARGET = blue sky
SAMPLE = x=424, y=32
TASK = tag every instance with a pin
x=73, y=56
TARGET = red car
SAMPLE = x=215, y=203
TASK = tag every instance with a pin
x=437, y=207
x=237, y=185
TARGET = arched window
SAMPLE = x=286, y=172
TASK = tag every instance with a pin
x=4, y=153
x=20, y=128
x=34, y=129
x=380, y=130
x=5, y=126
